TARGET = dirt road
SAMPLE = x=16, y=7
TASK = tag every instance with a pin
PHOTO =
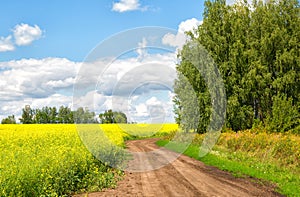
x=182, y=177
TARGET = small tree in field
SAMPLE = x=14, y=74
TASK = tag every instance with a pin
x=9, y=120
x=110, y=117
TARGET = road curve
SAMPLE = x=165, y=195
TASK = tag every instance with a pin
x=183, y=177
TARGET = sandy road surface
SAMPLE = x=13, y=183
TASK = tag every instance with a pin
x=182, y=177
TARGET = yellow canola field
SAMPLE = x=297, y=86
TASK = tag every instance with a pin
x=139, y=130
x=56, y=159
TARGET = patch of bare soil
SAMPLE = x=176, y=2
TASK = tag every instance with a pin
x=182, y=177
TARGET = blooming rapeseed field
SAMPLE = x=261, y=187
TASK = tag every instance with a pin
x=59, y=159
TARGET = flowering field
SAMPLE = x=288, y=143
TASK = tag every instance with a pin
x=53, y=160
x=284, y=149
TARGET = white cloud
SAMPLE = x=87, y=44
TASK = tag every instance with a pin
x=141, y=110
x=153, y=101
x=180, y=38
x=33, y=78
x=25, y=34
x=154, y=110
x=232, y=2
x=138, y=75
x=127, y=5
x=60, y=83
x=156, y=107
x=177, y=40
x=54, y=100
x=133, y=84
x=142, y=52
x=49, y=81
x=6, y=44
x=37, y=82
x=126, y=83
x=189, y=25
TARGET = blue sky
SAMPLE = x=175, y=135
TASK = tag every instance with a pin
x=71, y=28
x=43, y=45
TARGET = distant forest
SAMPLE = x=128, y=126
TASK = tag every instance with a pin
x=64, y=115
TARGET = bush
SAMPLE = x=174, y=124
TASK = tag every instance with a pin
x=285, y=116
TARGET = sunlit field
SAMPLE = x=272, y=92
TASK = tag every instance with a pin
x=52, y=159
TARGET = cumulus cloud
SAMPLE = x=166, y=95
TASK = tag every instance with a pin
x=49, y=81
x=124, y=82
x=6, y=44
x=127, y=5
x=137, y=76
x=139, y=84
x=25, y=34
x=36, y=77
x=155, y=109
x=189, y=25
x=37, y=82
x=180, y=38
x=177, y=40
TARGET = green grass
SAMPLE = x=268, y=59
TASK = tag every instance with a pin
x=241, y=165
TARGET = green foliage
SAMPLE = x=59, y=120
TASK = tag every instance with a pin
x=257, y=53
x=285, y=116
x=27, y=115
x=83, y=115
x=197, y=87
x=120, y=117
x=45, y=115
x=110, y=117
x=65, y=115
x=239, y=117
x=50, y=115
x=9, y=120
x=273, y=157
x=107, y=117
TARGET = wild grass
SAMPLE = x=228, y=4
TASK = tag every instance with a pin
x=253, y=153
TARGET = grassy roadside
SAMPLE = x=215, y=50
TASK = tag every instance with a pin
x=240, y=164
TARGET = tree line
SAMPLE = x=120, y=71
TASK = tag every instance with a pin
x=257, y=52
x=64, y=115
x=51, y=115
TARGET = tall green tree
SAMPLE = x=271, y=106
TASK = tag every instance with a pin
x=27, y=115
x=120, y=117
x=65, y=115
x=110, y=117
x=53, y=115
x=83, y=116
x=45, y=115
x=257, y=51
